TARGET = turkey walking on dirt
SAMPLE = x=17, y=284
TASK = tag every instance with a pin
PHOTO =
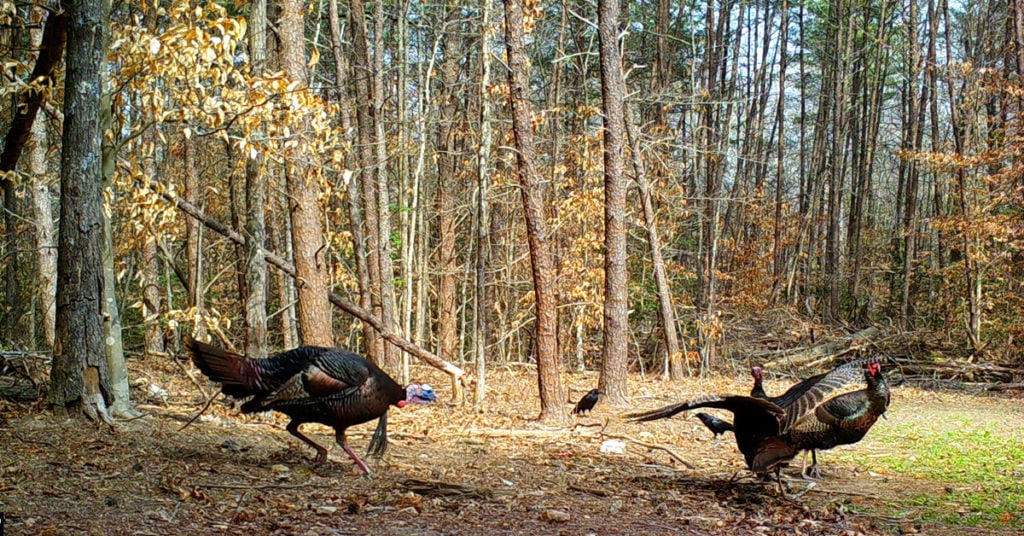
x=311, y=384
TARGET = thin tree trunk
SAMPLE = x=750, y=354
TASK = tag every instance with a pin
x=615, y=354
x=352, y=185
x=543, y=266
x=194, y=244
x=361, y=72
x=481, y=304
x=674, y=356
x=256, y=203
x=448, y=184
x=390, y=359
x=778, y=258
x=46, y=240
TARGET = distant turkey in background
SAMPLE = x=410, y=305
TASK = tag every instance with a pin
x=716, y=425
x=587, y=402
x=310, y=384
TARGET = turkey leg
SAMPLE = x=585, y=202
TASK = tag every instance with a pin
x=339, y=436
x=321, y=453
x=813, y=472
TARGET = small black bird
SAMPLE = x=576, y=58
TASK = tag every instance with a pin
x=716, y=425
x=587, y=402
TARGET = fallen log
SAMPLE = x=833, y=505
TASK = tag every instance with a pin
x=823, y=353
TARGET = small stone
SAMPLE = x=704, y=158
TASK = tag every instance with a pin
x=326, y=510
x=556, y=516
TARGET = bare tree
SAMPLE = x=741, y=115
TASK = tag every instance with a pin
x=615, y=358
x=256, y=204
x=545, y=301
x=79, y=377
x=314, y=311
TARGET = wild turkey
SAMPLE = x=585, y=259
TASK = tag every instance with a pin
x=587, y=402
x=310, y=384
x=760, y=426
x=787, y=398
x=842, y=420
x=716, y=425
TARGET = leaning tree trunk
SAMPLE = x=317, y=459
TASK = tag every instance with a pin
x=542, y=261
x=615, y=355
x=79, y=377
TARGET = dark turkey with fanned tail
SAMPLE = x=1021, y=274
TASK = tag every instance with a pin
x=311, y=384
x=761, y=426
x=842, y=420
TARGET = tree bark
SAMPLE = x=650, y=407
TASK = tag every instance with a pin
x=481, y=303
x=46, y=239
x=79, y=376
x=256, y=203
x=389, y=357
x=448, y=178
x=545, y=299
x=615, y=350
x=361, y=73
x=314, y=311
x=194, y=243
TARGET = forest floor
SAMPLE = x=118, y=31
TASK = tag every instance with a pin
x=943, y=463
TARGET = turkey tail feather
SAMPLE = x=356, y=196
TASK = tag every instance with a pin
x=379, y=441
x=234, y=372
x=660, y=413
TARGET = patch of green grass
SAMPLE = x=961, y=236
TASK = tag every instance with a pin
x=968, y=475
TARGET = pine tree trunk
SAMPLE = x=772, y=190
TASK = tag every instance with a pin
x=314, y=309
x=615, y=354
x=543, y=267
x=255, y=321
x=79, y=377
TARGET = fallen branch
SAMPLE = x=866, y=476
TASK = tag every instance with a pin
x=652, y=446
x=258, y=486
x=459, y=376
x=823, y=353
x=593, y=491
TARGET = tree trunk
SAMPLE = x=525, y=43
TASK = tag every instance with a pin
x=79, y=376
x=543, y=267
x=46, y=240
x=615, y=350
x=314, y=310
x=51, y=49
x=256, y=203
x=361, y=72
x=448, y=185
x=778, y=256
x=481, y=303
x=352, y=188
x=390, y=360
x=194, y=244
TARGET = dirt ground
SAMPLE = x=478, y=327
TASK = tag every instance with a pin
x=449, y=470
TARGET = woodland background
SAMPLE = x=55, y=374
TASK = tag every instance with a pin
x=483, y=181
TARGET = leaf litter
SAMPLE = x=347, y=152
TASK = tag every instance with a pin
x=450, y=469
